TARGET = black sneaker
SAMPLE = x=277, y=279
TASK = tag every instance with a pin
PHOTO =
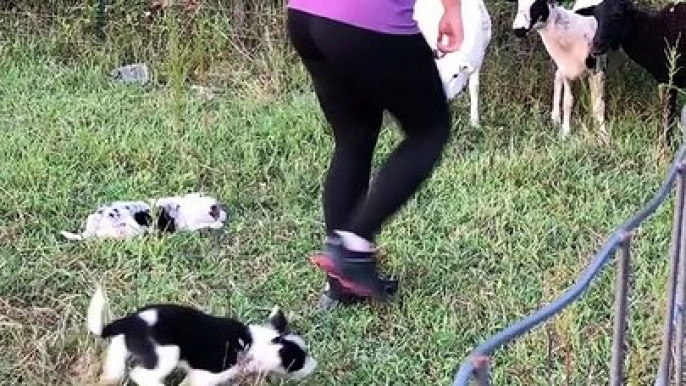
x=335, y=294
x=355, y=271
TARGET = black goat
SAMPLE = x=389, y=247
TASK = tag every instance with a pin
x=648, y=38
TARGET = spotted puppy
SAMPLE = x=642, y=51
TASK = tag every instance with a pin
x=116, y=220
x=210, y=350
x=191, y=212
x=126, y=219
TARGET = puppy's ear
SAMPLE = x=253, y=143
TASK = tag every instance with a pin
x=278, y=320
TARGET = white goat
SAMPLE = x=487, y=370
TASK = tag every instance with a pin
x=567, y=36
x=464, y=66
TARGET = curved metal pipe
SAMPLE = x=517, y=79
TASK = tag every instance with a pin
x=525, y=325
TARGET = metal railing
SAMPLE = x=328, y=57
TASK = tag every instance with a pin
x=477, y=364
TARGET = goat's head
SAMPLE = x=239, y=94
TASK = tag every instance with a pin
x=455, y=71
x=531, y=15
x=613, y=24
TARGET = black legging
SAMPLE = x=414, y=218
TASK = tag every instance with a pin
x=357, y=74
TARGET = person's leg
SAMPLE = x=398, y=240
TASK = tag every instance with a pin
x=354, y=119
x=413, y=93
x=355, y=122
x=397, y=72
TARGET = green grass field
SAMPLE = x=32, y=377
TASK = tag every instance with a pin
x=505, y=224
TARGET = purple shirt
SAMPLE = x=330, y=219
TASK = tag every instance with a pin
x=386, y=16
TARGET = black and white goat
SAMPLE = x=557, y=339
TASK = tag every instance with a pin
x=567, y=36
x=463, y=67
x=211, y=350
x=647, y=37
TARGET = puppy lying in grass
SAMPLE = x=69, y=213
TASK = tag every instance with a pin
x=126, y=219
x=211, y=350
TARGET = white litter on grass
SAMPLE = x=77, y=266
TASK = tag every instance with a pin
x=132, y=73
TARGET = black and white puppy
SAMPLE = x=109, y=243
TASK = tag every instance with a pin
x=211, y=350
x=126, y=219
x=116, y=220
x=190, y=212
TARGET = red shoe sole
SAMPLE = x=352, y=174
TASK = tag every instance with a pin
x=325, y=264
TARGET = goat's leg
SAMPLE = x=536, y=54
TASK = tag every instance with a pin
x=567, y=105
x=557, y=96
x=597, y=83
x=474, y=98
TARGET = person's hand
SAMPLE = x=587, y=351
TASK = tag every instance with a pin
x=450, y=32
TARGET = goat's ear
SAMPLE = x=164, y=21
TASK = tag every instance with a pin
x=278, y=320
x=588, y=11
